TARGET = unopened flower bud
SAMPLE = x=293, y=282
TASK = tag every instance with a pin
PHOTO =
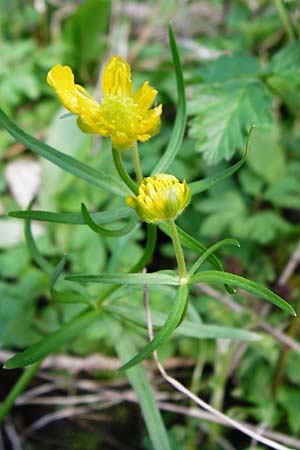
x=160, y=197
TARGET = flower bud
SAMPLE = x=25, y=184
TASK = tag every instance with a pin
x=160, y=197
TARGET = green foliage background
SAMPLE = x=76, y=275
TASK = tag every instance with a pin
x=241, y=68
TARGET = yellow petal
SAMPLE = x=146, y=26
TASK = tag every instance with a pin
x=149, y=124
x=116, y=78
x=61, y=79
x=144, y=97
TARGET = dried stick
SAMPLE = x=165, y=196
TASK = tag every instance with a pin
x=182, y=389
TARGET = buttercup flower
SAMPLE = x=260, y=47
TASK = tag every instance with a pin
x=124, y=116
x=160, y=197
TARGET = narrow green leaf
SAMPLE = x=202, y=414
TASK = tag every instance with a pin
x=66, y=296
x=212, y=276
x=65, y=162
x=49, y=344
x=125, y=278
x=180, y=121
x=211, y=250
x=36, y=255
x=187, y=328
x=101, y=230
x=204, y=185
x=139, y=380
x=165, y=332
x=100, y=217
x=196, y=246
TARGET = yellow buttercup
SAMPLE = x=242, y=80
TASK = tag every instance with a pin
x=124, y=116
x=160, y=197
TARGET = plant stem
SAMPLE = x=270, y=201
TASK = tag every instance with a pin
x=123, y=172
x=137, y=164
x=285, y=19
x=17, y=389
x=281, y=362
x=178, y=249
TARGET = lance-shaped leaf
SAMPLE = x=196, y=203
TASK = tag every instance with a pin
x=102, y=230
x=180, y=121
x=99, y=218
x=65, y=162
x=173, y=320
x=212, y=276
x=65, y=296
x=126, y=278
x=187, y=328
x=49, y=344
x=210, y=251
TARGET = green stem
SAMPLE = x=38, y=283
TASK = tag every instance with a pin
x=285, y=19
x=122, y=171
x=145, y=258
x=18, y=388
x=178, y=249
x=137, y=164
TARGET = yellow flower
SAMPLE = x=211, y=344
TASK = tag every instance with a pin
x=160, y=197
x=124, y=116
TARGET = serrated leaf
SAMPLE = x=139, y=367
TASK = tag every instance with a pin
x=224, y=112
x=285, y=192
x=173, y=320
x=286, y=63
x=229, y=67
x=265, y=226
x=49, y=344
x=212, y=276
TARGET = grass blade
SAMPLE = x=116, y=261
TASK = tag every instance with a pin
x=139, y=380
x=180, y=121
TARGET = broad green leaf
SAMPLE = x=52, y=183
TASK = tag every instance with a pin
x=286, y=64
x=180, y=121
x=139, y=380
x=65, y=162
x=212, y=276
x=100, y=217
x=231, y=67
x=267, y=158
x=285, y=191
x=187, y=328
x=126, y=278
x=54, y=341
x=222, y=114
x=173, y=320
x=265, y=226
x=196, y=246
x=101, y=230
x=210, y=251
